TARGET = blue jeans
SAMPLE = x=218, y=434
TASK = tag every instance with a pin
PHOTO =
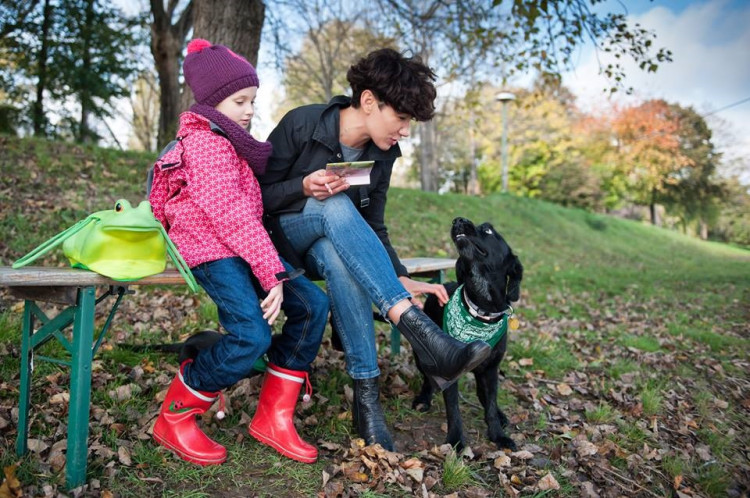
x=232, y=286
x=340, y=247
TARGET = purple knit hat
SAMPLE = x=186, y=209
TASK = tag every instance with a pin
x=213, y=72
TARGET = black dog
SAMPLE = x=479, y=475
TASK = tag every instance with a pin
x=491, y=278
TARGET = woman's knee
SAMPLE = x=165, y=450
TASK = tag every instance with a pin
x=339, y=210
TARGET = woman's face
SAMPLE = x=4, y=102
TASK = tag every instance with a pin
x=240, y=106
x=386, y=126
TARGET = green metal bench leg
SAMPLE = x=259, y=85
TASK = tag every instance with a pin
x=80, y=388
x=396, y=334
x=25, y=395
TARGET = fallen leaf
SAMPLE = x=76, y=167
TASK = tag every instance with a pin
x=677, y=482
x=56, y=461
x=548, y=482
x=11, y=487
x=526, y=362
x=37, y=445
x=704, y=452
x=416, y=473
x=59, y=398
x=564, y=389
x=502, y=461
x=588, y=490
x=522, y=455
x=586, y=448
x=123, y=455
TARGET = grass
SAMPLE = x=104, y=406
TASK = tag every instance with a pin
x=456, y=474
x=651, y=325
x=602, y=414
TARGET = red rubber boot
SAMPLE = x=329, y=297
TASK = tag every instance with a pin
x=273, y=422
x=176, y=428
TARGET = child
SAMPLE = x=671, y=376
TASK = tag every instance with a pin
x=207, y=197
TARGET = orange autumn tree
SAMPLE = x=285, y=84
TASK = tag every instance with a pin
x=649, y=150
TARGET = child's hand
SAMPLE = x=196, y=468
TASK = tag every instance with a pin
x=271, y=305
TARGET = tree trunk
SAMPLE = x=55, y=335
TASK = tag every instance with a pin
x=703, y=227
x=429, y=161
x=472, y=187
x=38, y=109
x=84, y=134
x=652, y=208
x=237, y=25
x=167, y=40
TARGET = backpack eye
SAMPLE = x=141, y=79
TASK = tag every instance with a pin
x=118, y=207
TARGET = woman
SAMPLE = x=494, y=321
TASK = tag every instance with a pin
x=337, y=231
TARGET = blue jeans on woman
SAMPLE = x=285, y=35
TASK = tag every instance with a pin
x=340, y=247
x=232, y=286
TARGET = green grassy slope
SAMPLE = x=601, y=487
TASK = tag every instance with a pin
x=572, y=251
x=650, y=328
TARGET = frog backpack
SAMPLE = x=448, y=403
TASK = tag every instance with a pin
x=123, y=243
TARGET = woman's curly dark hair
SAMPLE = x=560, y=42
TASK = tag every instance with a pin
x=404, y=83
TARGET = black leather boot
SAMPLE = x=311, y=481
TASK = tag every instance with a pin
x=441, y=357
x=367, y=414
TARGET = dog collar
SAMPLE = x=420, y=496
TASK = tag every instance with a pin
x=474, y=310
x=461, y=324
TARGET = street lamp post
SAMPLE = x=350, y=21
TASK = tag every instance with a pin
x=504, y=98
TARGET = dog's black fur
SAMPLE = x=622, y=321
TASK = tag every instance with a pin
x=491, y=275
x=187, y=349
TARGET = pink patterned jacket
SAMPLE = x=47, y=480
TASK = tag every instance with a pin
x=210, y=203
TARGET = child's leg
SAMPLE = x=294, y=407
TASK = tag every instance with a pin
x=230, y=284
x=306, y=309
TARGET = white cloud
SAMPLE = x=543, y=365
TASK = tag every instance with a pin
x=710, y=69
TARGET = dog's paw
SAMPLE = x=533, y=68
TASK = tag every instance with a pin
x=422, y=404
x=458, y=444
x=505, y=443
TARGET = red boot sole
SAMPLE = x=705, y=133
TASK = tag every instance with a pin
x=188, y=458
x=283, y=451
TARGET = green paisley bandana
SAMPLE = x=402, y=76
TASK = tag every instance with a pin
x=458, y=323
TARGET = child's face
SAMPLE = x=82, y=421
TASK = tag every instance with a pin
x=240, y=106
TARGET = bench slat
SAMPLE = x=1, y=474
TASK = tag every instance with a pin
x=42, y=276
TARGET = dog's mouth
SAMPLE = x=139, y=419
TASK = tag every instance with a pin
x=467, y=240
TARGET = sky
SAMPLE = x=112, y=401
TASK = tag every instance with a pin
x=710, y=44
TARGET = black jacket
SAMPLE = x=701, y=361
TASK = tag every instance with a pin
x=305, y=140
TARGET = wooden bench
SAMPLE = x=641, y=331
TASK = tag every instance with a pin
x=77, y=289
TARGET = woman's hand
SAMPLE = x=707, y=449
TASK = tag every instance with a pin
x=321, y=185
x=271, y=305
x=418, y=288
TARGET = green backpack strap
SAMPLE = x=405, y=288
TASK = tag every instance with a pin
x=55, y=241
x=182, y=267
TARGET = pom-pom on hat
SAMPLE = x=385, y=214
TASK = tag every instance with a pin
x=213, y=72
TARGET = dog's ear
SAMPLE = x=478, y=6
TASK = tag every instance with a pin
x=515, y=275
